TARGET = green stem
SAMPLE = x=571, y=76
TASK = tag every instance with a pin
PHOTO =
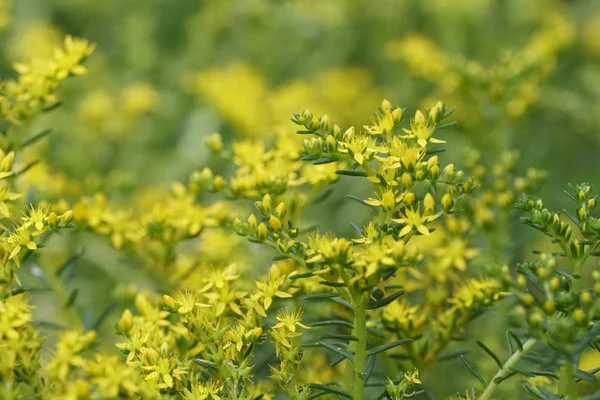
x=568, y=383
x=360, y=351
x=510, y=363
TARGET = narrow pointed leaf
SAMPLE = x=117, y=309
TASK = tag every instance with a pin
x=325, y=160
x=32, y=139
x=473, y=371
x=337, y=350
x=333, y=322
x=321, y=296
x=370, y=365
x=207, y=364
x=516, y=339
x=385, y=301
x=361, y=201
x=387, y=346
x=453, y=355
x=490, y=353
x=351, y=172
x=72, y=298
x=330, y=389
x=349, y=338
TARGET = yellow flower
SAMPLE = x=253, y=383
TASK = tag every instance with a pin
x=413, y=220
x=289, y=321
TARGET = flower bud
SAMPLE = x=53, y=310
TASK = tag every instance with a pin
x=280, y=210
x=324, y=122
x=549, y=306
x=586, y=297
x=264, y=205
x=527, y=299
x=218, y=183
x=578, y=316
x=252, y=223
x=126, y=322
x=434, y=172
x=66, y=218
x=449, y=172
x=348, y=135
x=447, y=202
x=397, y=116
x=7, y=162
x=407, y=180
x=386, y=105
x=536, y=319
x=591, y=204
x=239, y=227
x=275, y=223
x=52, y=220
x=214, y=142
x=82, y=388
x=170, y=302
x=331, y=144
x=409, y=198
x=262, y=232
x=429, y=204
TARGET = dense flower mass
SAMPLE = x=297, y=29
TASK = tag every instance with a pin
x=293, y=235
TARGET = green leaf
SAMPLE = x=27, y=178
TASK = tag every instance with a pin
x=336, y=336
x=361, y=201
x=22, y=170
x=31, y=140
x=300, y=276
x=387, y=346
x=490, y=353
x=336, y=361
x=329, y=389
x=370, y=365
x=435, y=151
x=572, y=218
x=333, y=322
x=103, y=315
x=52, y=107
x=207, y=364
x=473, y=371
x=377, y=333
x=587, y=376
x=341, y=302
x=453, y=355
x=72, y=298
x=449, y=124
x=350, y=172
x=516, y=339
x=309, y=157
x=337, y=350
x=50, y=325
x=321, y=296
x=385, y=301
x=325, y=160
x=332, y=284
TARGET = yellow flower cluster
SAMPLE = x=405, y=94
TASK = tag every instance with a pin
x=512, y=83
x=35, y=88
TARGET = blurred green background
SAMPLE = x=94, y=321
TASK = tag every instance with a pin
x=522, y=74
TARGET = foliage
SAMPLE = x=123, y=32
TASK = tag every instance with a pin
x=144, y=255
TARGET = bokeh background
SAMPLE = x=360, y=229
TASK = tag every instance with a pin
x=523, y=75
